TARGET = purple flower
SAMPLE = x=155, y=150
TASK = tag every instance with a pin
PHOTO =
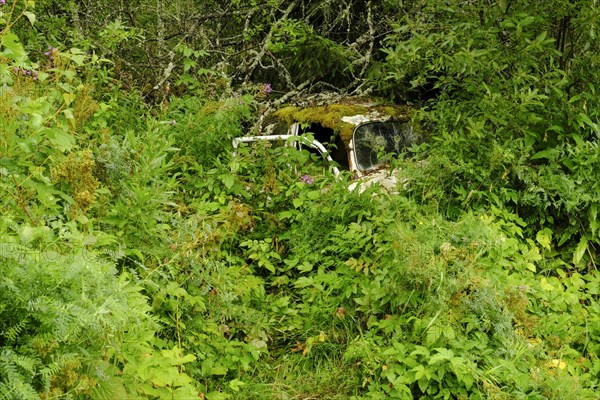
x=2, y=1
x=309, y=180
x=266, y=89
x=50, y=52
x=26, y=72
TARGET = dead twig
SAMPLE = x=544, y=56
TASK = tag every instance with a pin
x=22, y=202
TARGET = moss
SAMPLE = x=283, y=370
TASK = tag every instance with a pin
x=330, y=116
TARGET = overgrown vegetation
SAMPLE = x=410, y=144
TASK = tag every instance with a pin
x=140, y=259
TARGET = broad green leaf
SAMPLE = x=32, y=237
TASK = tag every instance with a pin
x=13, y=49
x=449, y=333
x=303, y=282
x=188, y=64
x=420, y=372
x=228, y=181
x=313, y=194
x=36, y=120
x=298, y=202
x=236, y=384
x=531, y=267
x=62, y=140
x=466, y=378
x=585, y=120
x=77, y=56
x=433, y=334
x=184, y=393
x=30, y=16
x=181, y=379
x=217, y=396
x=68, y=98
x=555, y=128
x=423, y=384
x=550, y=154
x=268, y=265
x=594, y=223
x=69, y=114
x=544, y=238
x=187, y=358
x=443, y=354
x=580, y=250
x=420, y=350
x=164, y=376
x=218, y=370
x=111, y=388
x=545, y=285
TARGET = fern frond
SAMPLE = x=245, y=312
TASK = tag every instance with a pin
x=14, y=384
x=15, y=330
x=27, y=364
x=17, y=390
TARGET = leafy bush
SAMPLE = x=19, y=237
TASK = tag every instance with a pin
x=64, y=317
x=140, y=258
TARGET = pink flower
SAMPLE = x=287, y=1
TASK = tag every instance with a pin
x=309, y=180
x=51, y=50
x=266, y=89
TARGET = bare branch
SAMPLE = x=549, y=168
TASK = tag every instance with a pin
x=263, y=49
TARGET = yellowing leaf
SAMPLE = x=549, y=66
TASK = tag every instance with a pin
x=557, y=363
x=544, y=238
x=68, y=98
x=545, y=285
x=322, y=336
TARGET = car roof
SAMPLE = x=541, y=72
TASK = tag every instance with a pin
x=342, y=116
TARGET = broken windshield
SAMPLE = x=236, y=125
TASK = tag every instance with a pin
x=374, y=139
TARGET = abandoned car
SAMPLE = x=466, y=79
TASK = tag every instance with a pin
x=353, y=136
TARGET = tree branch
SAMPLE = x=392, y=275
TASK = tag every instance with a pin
x=263, y=49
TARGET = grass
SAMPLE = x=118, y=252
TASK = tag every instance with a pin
x=322, y=374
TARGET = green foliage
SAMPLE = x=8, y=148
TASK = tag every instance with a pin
x=140, y=258
x=204, y=130
x=308, y=55
x=514, y=121
x=54, y=305
x=67, y=315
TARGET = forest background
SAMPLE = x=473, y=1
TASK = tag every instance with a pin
x=139, y=259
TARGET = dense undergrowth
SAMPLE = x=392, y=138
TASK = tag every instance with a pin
x=140, y=259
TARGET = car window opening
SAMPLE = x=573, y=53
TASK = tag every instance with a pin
x=371, y=140
x=331, y=140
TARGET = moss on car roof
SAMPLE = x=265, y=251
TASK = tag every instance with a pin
x=332, y=115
